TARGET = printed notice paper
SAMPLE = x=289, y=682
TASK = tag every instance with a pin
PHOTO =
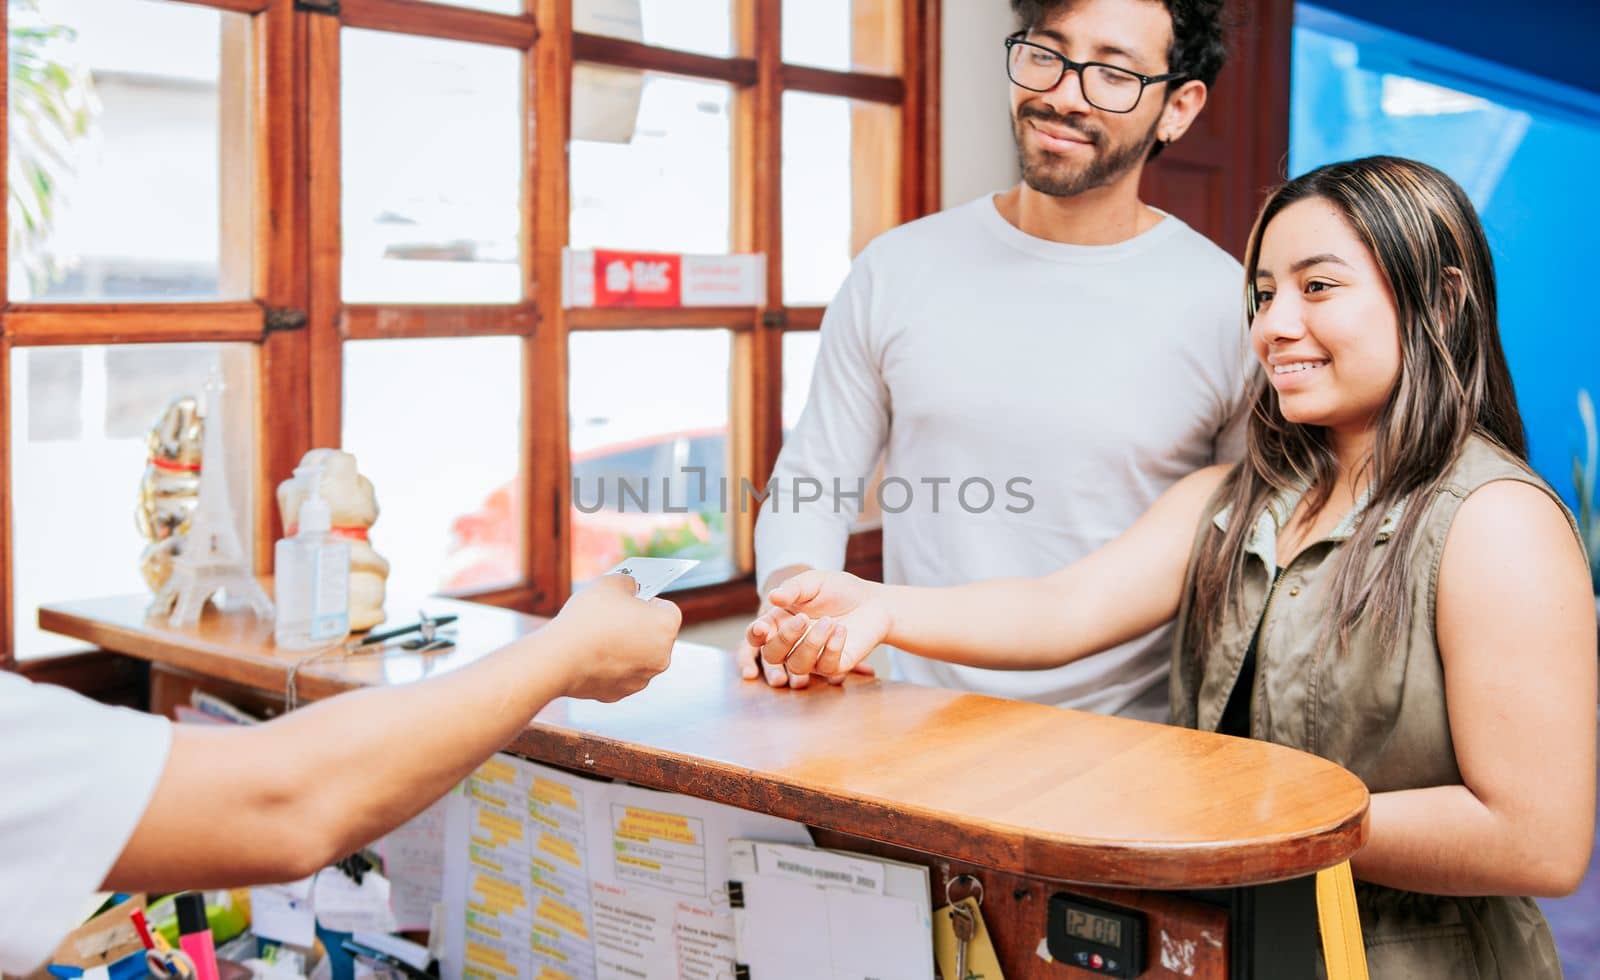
x=413, y=861
x=552, y=875
x=865, y=918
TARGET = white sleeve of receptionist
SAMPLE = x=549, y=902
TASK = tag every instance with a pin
x=834, y=446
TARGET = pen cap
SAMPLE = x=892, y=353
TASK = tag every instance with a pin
x=191, y=913
x=315, y=515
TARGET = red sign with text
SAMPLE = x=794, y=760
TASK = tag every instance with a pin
x=637, y=279
x=660, y=280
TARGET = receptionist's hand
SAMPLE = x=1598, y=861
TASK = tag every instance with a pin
x=611, y=642
x=821, y=623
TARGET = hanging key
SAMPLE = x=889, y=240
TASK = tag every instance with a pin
x=965, y=927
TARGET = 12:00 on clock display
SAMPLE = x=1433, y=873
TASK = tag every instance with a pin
x=1094, y=928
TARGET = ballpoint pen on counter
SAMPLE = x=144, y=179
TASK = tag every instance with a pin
x=428, y=641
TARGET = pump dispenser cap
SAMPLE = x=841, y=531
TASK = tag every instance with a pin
x=315, y=516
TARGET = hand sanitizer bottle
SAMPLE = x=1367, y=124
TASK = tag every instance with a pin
x=312, y=569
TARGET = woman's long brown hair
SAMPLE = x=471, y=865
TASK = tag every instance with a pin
x=1426, y=239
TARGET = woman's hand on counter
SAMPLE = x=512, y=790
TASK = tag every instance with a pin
x=821, y=623
x=612, y=642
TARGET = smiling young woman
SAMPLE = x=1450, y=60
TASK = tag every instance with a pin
x=1382, y=582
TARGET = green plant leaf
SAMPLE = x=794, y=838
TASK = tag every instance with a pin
x=52, y=109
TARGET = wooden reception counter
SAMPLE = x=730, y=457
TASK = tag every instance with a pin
x=1177, y=826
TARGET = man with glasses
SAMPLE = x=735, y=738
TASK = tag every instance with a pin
x=1060, y=343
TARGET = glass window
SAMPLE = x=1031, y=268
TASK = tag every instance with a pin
x=701, y=26
x=432, y=142
x=493, y=6
x=118, y=110
x=646, y=405
x=669, y=186
x=436, y=426
x=80, y=421
x=841, y=188
x=843, y=35
x=54, y=393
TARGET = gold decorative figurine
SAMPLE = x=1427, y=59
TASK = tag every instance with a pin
x=354, y=508
x=211, y=566
x=170, y=488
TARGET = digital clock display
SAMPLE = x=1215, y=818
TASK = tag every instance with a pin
x=1094, y=928
x=1096, y=936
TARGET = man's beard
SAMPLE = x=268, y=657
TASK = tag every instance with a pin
x=1047, y=173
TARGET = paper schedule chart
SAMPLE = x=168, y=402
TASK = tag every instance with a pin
x=517, y=838
x=497, y=918
x=562, y=944
x=549, y=875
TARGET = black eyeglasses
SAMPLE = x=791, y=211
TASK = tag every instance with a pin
x=1106, y=87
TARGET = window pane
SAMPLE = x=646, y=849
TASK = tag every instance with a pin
x=119, y=111
x=79, y=423
x=436, y=425
x=841, y=188
x=701, y=26
x=494, y=6
x=844, y=35
x=670, y=188
x=644, y=406
x=431, y=170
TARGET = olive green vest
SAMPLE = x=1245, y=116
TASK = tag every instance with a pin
x=1380, y=714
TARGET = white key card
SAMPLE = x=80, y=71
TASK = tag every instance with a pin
x=653, y=574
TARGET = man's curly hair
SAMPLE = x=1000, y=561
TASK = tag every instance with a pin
x=1197, y=49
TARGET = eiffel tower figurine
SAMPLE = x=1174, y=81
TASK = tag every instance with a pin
x=211, y=559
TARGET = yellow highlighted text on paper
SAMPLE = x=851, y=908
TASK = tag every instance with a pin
x=481, y=955
x=551, y=792
x=563, y=916
x=651, y=824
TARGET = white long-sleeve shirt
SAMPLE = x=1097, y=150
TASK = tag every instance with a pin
x=77, y=778
x=1078, y=381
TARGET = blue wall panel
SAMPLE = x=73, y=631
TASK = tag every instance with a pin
x=1553, y=38
x=1528, y=171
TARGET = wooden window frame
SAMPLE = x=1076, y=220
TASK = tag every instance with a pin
x=286, y=165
